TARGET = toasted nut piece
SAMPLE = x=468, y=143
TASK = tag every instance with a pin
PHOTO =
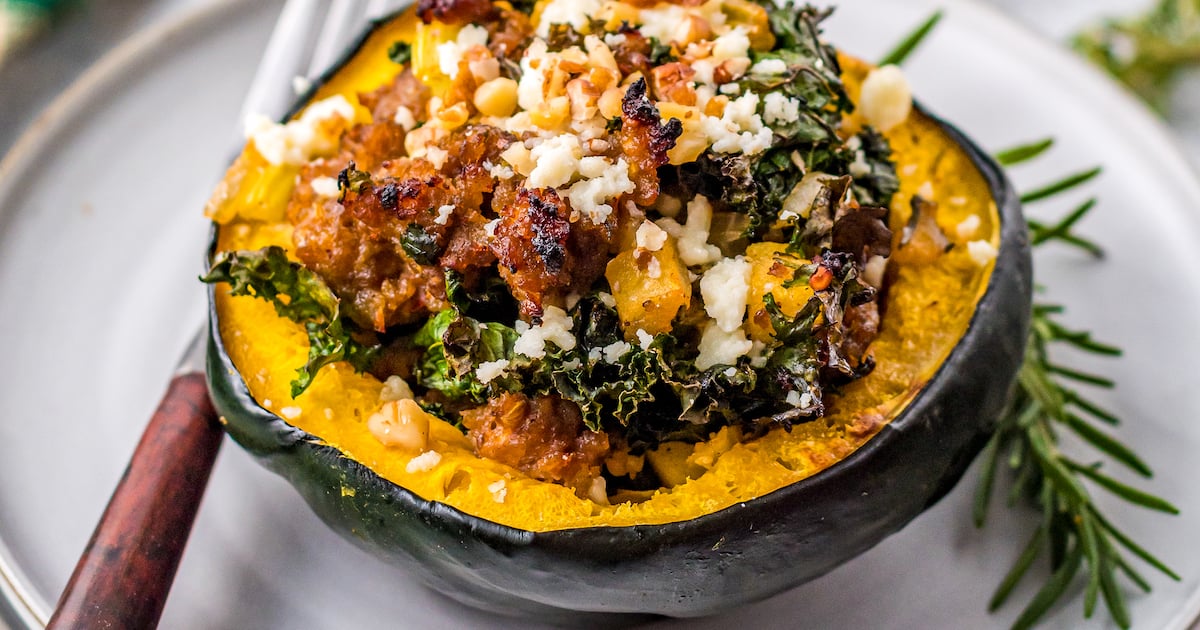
x=692, y=29
x=497, y=97
x=583, y=97
x=610, y=102
x=552, y=114
x=454, y=116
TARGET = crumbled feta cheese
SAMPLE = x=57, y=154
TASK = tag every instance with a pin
x=724, y=288
x=982, y=252
x=499, y=171
x=423, y=462
x=769, y=66
x=692, y=237
x=326, y=187
x=967, y=228
x=489, y=228
x=498, y=490
x=298, y=141
x=450, y=53
x=793, y=398
x=886, y=98
x=739, y=129
x=926, y=191
x=395, y=388
x=654, y=269
x=489, y=371
x=577, y=13
x=555, y=161
x=616, y=350
x=614, y=39
x=405, y=118
x=732, y=45
x=650, y=237
x=555, y=327
x=644, y=339
x=266, y=403
x=606, y=299
x=718, y=347
x=572, y=365
x=730, y=89
x=778, y=108
x=443, y=214
x=958, y=201
x=531, y=88
x=594, y=354
x=730, y=372
x=589, y=196
x=290, y=413
x=661, y=21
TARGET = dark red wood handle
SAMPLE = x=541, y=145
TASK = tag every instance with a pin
x=123, y=577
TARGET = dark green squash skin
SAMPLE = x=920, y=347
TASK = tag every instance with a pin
x=698, y=567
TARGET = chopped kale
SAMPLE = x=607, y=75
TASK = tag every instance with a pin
x=301, y=296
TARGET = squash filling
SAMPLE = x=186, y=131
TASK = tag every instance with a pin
x=560, y=265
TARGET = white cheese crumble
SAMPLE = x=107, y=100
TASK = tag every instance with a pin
x=886, y=99
x=303, y=139
x=692, y=236
x=769, y=66
x=423, y=462
x=451, y=53
x=489, y=371
x=555, y=327
x=650, y=237
x=555, y=161
x=395, y=388
x=489, y=228
x=739, y=129
x=616, y=350
x=644, y=339
x=443, y=214
x=778, y=108
x=577, y=13
x=718, y=347
x=967, y=228
x=498, y=490
x=499, y=171
x=724, y=288
x=326, y=187
x=589, y=196
x=607, y=299
x=290, y=413
x=405, y=118
x=982, y=252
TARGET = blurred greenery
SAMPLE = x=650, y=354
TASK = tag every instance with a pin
x=1147, y=52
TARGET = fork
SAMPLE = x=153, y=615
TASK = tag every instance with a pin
x=125, y=573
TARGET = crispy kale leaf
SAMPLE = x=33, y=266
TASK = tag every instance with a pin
x=455, y=346
x=301, y=296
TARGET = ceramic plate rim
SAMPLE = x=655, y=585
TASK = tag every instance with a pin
x=21, y=604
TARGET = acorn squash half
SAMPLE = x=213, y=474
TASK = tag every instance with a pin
x=750, y=519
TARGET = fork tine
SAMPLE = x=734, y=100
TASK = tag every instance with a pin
x=287, y=52
x=379, y=8
x=344, y=20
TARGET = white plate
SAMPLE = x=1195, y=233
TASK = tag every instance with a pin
x=100, y=241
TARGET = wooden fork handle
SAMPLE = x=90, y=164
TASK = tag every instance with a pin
x=123, y=577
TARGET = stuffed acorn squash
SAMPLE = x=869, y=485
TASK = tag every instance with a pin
x=608, y=306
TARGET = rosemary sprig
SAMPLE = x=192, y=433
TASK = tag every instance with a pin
x=1072, y=532
x=1147, y=52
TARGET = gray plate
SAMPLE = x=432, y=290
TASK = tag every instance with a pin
x=100, y=238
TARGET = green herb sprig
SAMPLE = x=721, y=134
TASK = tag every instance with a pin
x=1147, y=52
x=1072, y=532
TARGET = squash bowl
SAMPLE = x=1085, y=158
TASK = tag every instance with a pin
x=709, y=555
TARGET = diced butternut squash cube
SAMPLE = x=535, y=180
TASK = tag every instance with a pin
x=252, y=189
x=650, y=288
x=771, y=267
